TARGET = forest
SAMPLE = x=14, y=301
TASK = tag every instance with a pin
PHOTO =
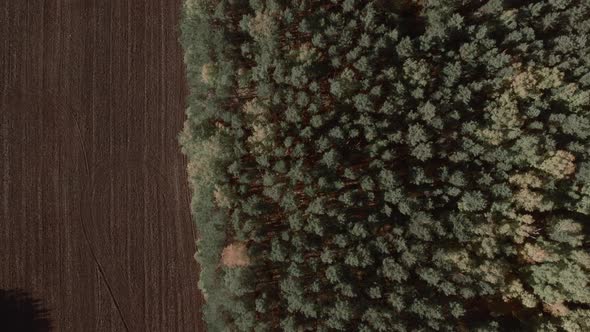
x=418, y=165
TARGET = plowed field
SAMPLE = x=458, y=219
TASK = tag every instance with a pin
x=94, y=203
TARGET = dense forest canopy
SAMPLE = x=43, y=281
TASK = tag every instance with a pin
x=390, y=165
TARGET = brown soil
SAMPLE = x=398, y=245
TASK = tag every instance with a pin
x=94, y=202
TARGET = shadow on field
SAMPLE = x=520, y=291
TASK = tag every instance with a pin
x=20, y=312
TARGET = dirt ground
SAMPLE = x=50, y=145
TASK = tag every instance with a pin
x=94, y=203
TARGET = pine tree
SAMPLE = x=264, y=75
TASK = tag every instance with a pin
x=415, y=166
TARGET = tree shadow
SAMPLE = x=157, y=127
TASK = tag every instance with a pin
x=20, y=312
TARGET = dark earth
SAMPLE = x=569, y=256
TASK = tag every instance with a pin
x=94, y=201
